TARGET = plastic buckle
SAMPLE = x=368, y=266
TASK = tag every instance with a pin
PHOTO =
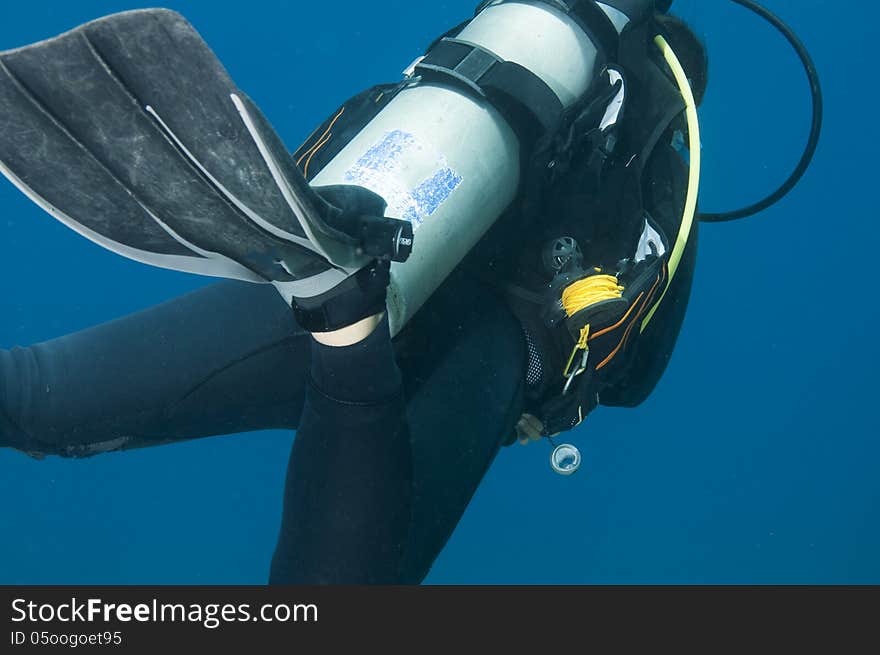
x=411, y=69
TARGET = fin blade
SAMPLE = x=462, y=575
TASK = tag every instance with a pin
x=167, y=65
x=77, y=139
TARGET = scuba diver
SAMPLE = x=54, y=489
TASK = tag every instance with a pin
x=485, y=251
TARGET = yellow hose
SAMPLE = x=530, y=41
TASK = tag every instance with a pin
x=690, y=207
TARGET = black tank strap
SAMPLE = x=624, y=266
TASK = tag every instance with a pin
x=524, y=99
x=529, y=105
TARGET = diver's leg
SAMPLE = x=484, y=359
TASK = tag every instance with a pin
x=463, y=363
x=227, y=358
x=463, y=405
x=347, y=501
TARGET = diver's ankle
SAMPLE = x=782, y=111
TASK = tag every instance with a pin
x=351, y=334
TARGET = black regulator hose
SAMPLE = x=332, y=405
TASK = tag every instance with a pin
x=815, y=130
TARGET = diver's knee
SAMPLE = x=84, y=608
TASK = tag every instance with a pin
x=26, y=422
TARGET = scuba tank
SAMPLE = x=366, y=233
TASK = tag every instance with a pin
x=446, y=153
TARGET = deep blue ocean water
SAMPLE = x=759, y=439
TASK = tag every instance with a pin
x=756, y=459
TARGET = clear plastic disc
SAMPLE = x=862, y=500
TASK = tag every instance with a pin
x=566, y=459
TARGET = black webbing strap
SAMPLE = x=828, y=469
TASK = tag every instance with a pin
x=524, y=99
x=528, y=104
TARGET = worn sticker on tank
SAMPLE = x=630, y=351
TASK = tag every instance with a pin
x=380, y=170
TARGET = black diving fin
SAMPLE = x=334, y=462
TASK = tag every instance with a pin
x=129, y=130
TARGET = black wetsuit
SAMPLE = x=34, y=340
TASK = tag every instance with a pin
x=364, y=475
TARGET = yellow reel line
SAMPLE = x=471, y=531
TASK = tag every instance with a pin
x=690, y=207
x=579, y=296
x=590, y=291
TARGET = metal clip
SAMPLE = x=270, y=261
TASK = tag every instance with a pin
x=580, y=370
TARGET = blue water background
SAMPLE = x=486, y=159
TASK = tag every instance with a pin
x=756, y=459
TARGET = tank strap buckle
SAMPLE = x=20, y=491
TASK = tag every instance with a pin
x=526, y=102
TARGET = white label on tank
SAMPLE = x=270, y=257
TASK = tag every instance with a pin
x=385, y=169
